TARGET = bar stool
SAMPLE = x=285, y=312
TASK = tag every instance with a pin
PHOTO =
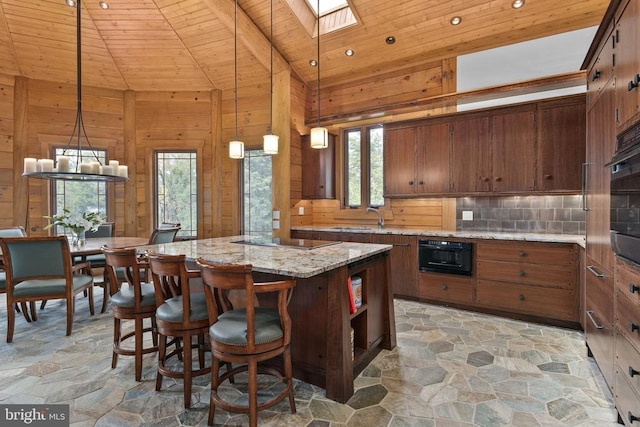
x=247, y=335
x=179, y=314
x=133, y=300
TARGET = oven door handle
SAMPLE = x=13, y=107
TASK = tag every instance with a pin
x=440, y=264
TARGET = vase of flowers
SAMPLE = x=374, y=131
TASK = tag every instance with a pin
x=77, y=223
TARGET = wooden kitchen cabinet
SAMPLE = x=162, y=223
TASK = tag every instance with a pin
x=561, y=144
x=416, y=161
x=446, y=288
x=318, y=170
x=471, y=156
x=533, y=278
x=627, y=64
x=599, y=319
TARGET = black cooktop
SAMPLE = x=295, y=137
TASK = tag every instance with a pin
x=286, y=242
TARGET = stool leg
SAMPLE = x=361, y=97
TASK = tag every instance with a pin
x=253, y=393
x=162, y=352
x=215, y=373
x=116, y=342
x=138, y=347
x=201, y=350
x=188, y=366
x=288, y=373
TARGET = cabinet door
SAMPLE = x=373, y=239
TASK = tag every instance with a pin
x=403, y=263
x=600, y=147
x=561, y=148
x=513, y=147
x=318, y=180
x=471, y=156
x=399, y=161
x=432, y=154
x=627, y=64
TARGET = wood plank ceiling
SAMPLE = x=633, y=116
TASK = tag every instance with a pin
x=149, y=45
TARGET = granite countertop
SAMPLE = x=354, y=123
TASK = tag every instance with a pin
x=281, y=260
x=529, y=237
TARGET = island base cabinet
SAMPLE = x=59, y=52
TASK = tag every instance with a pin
x=627, y=401
x=533, y=300
x=446, y=287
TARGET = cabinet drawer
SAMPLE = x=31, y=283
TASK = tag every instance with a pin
x=628, y=280
x=554, y=276
x=534, y=300
x=445, y=287
x=598, y=327
x=628, y=318
x=627, y=402
x=529, y=252
x=628, y=361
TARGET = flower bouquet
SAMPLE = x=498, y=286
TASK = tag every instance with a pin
x=77, y=223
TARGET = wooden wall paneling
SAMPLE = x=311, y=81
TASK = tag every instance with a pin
x=20, y=150
x=7, y=160
x=281, y=163
x=126, y=218
x=216, y=164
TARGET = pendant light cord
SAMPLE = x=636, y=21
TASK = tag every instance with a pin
x=318, y=25
x=271, y=70
x=235, y=64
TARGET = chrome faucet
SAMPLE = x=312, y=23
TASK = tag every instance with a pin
x=380, y=219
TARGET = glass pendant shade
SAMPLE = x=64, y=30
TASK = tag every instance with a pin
x=236, y=149
x=270, y=144
x=319, y=137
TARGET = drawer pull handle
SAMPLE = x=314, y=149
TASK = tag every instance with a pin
x=633, y=372
x=593, y=320
x=593, y=271
x=595, y=76
x=522, y=253
x=521, y=274
x=633, y=327
x=410, y=182
x=632, y=417
x=521, y=297
x=633, y=288
x=444, y=287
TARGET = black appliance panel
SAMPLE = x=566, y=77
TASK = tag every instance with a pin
x=441, y=256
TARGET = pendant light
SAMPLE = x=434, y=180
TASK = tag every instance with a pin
x=92, y=170
x=270, y=141
x=319, y=135
x=236, y=147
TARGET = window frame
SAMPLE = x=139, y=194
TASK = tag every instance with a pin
x=193, y=233
x=365, y=167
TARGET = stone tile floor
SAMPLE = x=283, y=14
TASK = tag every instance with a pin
x=450, y=368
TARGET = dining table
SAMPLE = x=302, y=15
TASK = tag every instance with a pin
x=94, y=245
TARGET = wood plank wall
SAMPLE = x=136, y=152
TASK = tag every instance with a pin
x=6, y=151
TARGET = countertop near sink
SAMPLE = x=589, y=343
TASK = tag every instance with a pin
x=530, y=237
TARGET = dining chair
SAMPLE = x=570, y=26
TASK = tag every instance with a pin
x=180, y=314
x=133, y=300
x=247, y=336
x=163, y=235
x=169, y=225
x=16, y=231
x=106, y=229
x=40, y=268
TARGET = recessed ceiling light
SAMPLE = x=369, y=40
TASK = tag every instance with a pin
x=313, y=63
x=517, y=4
x=70, y=3
x=104, y=4
x=456, y=20
x=390, y=40
x=349, y=52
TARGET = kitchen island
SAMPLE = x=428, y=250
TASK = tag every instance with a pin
x=329, y=344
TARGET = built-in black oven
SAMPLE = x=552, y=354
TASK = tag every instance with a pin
x=625, y=195
x=441, y=256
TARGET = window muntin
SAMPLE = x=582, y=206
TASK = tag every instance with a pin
x=176, y=190
x=363, y=167
x=79, y=196
x=257, y=190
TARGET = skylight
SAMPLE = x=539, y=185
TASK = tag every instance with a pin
x=327, y=6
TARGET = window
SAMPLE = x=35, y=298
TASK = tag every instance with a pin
x=177, y=190
x=79, y=196
x=256, y=201
x=363, y=167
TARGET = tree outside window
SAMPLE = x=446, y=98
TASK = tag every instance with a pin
x=177, y=190
x=79, y=196
x=256, y=202
x=364, y=167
